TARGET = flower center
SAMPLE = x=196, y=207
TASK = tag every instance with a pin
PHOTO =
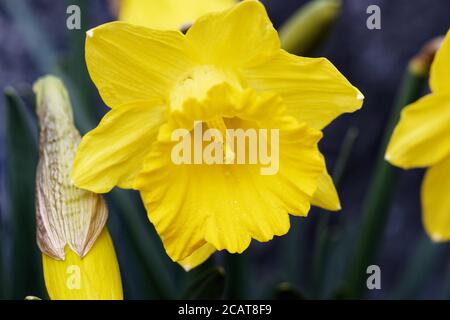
x=195, y=85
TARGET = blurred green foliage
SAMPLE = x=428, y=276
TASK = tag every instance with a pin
x=21, y=165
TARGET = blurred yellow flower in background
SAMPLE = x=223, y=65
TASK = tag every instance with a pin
x=168, y=14
x=78, y=255
x=228, y=71
x=422, y=139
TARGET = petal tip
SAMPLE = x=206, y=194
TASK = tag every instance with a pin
x=90, y=33
x=437, y=237
x=187, y=267
x=360, y=96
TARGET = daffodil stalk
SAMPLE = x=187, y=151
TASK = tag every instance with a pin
x=376, y=207
x=306, y=29
x=238, y=275
x=21, y=163
x=322, y=239
x=78, y=256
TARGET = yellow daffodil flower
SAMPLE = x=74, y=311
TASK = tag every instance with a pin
x=228, y=71
x=78, y=255
x=422, y=139
x=168, y=14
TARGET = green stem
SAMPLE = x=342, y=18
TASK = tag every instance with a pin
x=26, y=266
x=377, y=204
x=344, y=155
x=294, y=251
x=237, y=275
x=323, y=233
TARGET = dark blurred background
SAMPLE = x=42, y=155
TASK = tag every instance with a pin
x=374, y=61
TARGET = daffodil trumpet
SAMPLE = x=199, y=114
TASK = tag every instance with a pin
x=79, y=259
x=228, y=66
x=219, y=145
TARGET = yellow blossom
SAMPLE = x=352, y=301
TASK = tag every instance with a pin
x=228, y=72
x=78, y=256
x=422, y=139
x=168, y=14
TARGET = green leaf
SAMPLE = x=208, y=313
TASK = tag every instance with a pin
x=22, y=153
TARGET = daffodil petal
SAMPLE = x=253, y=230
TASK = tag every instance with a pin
x=436, y=202
x=131, y=63
x=439, y=73
x=313, y=90
x=422, y=137
x=241, y=36
x=168, y=14
x=112, y=154
x=326, y=196
x=198, y=257
x=94, y=277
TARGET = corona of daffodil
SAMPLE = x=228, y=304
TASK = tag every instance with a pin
x=78, y=255
x=422, y=139
x=227, y=72
x=168, y=14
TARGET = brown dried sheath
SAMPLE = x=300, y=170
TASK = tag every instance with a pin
x=65, y=215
